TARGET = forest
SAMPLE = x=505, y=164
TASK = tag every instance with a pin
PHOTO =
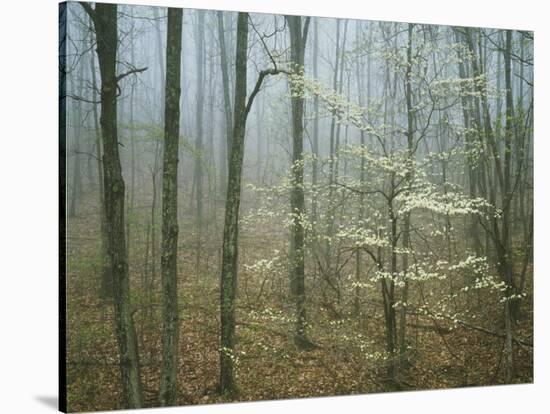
x=269, y=206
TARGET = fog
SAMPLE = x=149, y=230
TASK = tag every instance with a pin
x=416, y=211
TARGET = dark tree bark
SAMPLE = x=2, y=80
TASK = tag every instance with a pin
x=170, y=316
x=298, y=38
x=104, y=17
x=231, y=227
x=506, y=207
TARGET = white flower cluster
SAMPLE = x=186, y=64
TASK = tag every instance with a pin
x=476, y=264
x=451, y=203
x=264, y=266
x=395, y=163
x=361, y=237
x=345, y=111
x=513, y=297
x=231, y=354
x=268, y=314
x=458, y=86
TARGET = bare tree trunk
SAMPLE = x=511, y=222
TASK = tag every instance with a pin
x=407, y=218
x=170, y=315
x=104, y=17
x=506, y=207
x=298, y=38
x=228, y=288
x=388, y=292
x=228, y=291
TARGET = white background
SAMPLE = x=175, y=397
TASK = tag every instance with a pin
x=29, y=217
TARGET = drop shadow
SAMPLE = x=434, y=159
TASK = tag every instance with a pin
x=51, y=401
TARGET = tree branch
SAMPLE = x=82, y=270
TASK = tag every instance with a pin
x=79, y=98
x=263, y=74
x=89, y=154
x=305, y=31
x=130, y=72
x=89, y=10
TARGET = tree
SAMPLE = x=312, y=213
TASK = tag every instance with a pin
x=298, y=38
x=104, y=17
x=170, y=335
x=231, y=227
x=505, y=258
x=228, y=282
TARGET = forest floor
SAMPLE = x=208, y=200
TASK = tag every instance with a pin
x=348, y=358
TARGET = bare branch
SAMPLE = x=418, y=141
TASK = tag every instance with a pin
x=130, y=72
x=88, y=9
x=261, y=77
x=80, y=98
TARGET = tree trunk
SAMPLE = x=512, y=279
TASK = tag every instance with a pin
x=506, y=204
x=231, y=225
x=170, y=316
x=105, y=22
x=388, y=293
x=407, y=218
x=228, y=288
x=298, y=38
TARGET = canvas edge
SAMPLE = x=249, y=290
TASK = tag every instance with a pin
x=62, y=374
